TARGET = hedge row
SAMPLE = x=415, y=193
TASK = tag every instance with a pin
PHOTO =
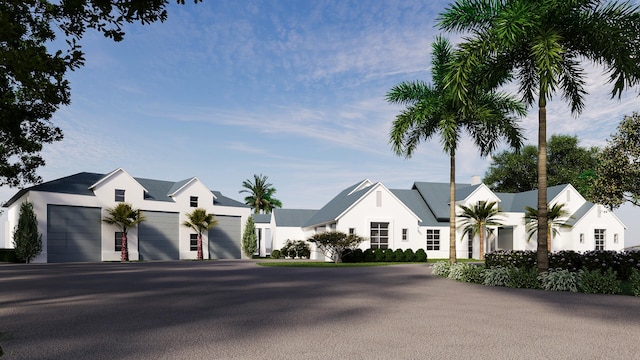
x=620, y=262
x=385, y=255
x=8, y=255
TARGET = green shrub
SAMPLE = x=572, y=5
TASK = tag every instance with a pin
x=389, y=255
x=566, y=259
x=409, y=255
x=511, y=258
x=421, y=255
x=497, y=276
x=559, y=280
x=634, y=281
x=398, y=255
x=466, y=272
x=275, y=254
x=8, y=255
x=523, y=278
x=369, y=256
x=441, y=268
x=598, y=282
x=378, y=255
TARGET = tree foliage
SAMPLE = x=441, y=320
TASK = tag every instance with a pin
x=33, y=84
x=124, y=217
x=557, y=218
x=200, y=221
x=26, y=239
x=432, y=110
x=618, y=174
x=249, y=238
x=261, y=193
x=335, y=244
x=540, y=45
x=567, y=163
x=476, y=218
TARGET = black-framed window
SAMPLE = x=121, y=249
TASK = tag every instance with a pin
x=352, y=231
x=119, y=195
x=193, y=242
x=379, y=235
x=405, y=234
x=118, y=241
x=433, y=239
x=193, y=201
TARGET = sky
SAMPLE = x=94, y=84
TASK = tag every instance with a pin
x=291, y=89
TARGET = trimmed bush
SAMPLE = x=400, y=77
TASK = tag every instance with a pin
x=8, y=255
x=389, y=255
x=441, y=268
x=634, y=281
x=421, y=255
x=510, y=258
x=559, y=280
x=369, y=256
x=398, y=255
x=524, y=278
x=599, y=282
x=409, y=255
x=497, y=276
x=378, y=255
x=275, y=254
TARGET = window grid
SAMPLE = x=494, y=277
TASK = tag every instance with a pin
x=405, y=234
x=118, y=241
x=433, y=239
x=193, y=201
x=599, y=237
x=379, y=235
x=119, y=195
x=193, y=242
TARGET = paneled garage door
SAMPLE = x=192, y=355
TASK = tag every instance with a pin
x=225, y=238
x=73, y=234
x=158, y=237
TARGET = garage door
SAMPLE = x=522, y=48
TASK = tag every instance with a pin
x=225, y=238
x=73, y=234
x=158, y=237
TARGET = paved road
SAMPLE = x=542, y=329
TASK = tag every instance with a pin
x=238, y=310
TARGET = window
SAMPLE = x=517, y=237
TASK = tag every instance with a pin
x=379, y=235
x=405, y=234
x=118, y=241
x=352, y=231
x=193, y=201
x=433, y=239
x=119, y=195
x=193, y=242
x=615, y=238
x=599, y=236
x=332, y=227
x=581, y=238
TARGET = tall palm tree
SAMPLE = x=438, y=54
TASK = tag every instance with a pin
x=124, y=217
x=476, y=218
x=432, y=110
x=556, y=218
x=540, y=44
x=260, y=196
x=200, y=221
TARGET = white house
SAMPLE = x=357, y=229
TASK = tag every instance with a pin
x=70, y=212
x=418, y=218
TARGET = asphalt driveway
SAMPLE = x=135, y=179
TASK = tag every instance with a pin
x=238, y=310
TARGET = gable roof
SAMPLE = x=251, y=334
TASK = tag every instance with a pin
x=261, y=218
x=82, y=183
x=414, y=201
x=337, y=205
x=293, y=217
x=516, y=202
x=436, y=196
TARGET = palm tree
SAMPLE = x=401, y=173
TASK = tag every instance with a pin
x=476, y=218
x=260, y=194
x=200, y=221
x=124, y=217
x=556, y=217
x=431, y=110
x=540, y=44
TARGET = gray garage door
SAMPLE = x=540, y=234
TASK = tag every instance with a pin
x=225, y=238
x=73, y=234
x=158, y=237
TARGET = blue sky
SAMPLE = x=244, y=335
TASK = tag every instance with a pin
x=290, y=89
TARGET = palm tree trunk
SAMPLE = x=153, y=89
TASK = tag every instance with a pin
x=452, y=209
x=482, y=242
x=124, y=249
x=200, y=246
x=542, y=251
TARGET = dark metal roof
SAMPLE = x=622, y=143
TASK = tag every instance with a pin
x=293, y=217
x=337, y=205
